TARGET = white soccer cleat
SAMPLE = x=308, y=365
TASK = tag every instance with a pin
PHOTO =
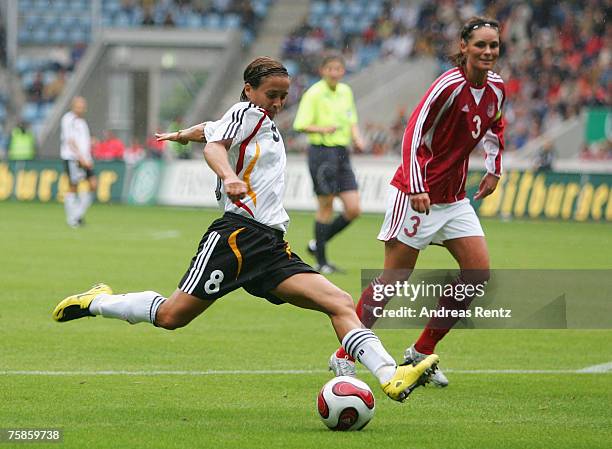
x=342, y=367
x=412, y=357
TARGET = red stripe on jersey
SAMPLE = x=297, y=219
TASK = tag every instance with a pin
x=241, y=205
x=394, y=217
x=245, y=143
x=402, y=213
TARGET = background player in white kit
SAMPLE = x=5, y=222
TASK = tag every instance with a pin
x=76, y=154
x=246, y=247
x=461, y=110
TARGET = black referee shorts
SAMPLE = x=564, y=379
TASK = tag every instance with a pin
x=239, y=252
x=331, y=170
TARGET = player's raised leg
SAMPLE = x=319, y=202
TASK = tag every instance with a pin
x=142, y=307
x=400, y=259
x=313, y=291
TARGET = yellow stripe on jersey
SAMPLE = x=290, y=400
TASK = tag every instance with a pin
x=247, y=174
x=234, y=246
x=498, y=116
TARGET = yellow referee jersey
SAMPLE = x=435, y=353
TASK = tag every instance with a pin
x=322, y=106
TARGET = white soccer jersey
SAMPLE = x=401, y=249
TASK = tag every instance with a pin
x=257, y=154
x=76, y=129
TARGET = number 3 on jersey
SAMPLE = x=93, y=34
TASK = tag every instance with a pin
x=478, y=121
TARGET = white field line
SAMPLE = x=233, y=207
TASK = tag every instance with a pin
x=596, y=369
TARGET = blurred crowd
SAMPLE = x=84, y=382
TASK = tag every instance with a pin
x=556, y=55
x=246, y=14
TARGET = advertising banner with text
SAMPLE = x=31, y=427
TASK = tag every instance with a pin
x=47, y=181
x=520, y=194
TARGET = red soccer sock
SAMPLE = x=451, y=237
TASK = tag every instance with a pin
x=341, y=354
x=426, y=344
x=438, y=327
x=367, y=303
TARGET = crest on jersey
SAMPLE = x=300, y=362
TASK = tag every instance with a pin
x=491, y=110
x=465, y=108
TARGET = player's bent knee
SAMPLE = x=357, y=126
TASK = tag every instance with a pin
x=479, y=276
x=343, y=303
x=352, y=213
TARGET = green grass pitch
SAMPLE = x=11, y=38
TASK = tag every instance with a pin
x=134, y=249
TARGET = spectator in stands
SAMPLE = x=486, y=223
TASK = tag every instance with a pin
x=155, y=148
x=108, y=149
x=55, y=87
x=134, y=152
x=76, y=54
x=545, y=157
x=21, y=145
x=36, y=89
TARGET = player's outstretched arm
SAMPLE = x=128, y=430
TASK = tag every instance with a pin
x=215, y=154
x=184, y=136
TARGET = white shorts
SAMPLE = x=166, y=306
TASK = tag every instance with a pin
x=444, y=222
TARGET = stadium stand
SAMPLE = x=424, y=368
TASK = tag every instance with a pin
x=64, y=28
x=556, y=61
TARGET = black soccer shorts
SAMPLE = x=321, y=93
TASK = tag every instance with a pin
x=239, y=252
x=331, y=170
x=76, y=172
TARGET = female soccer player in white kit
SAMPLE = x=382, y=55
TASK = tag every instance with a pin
x=245, y=248
x=461, y=111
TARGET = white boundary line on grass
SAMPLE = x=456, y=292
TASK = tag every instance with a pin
x=595, y=369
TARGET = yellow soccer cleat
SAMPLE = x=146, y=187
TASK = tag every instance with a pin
x=409, y=377
x=77, y=306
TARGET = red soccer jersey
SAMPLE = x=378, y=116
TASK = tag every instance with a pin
x=452, y=119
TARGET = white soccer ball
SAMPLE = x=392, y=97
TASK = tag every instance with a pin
x=345, y=403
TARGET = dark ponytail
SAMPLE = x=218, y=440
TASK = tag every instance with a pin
x=458, y=59
x=260, y=68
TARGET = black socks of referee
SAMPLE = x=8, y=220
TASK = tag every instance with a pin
x=325, y=232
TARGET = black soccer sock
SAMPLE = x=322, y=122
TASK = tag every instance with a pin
x=337, y=225
x=321, y=232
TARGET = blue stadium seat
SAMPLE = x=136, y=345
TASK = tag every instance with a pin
x=24, y=35
x=194, y=21
x=122, y=20
x=68, y=21
x=27, y=79
x=337, y=8
x=318, y=8
x=24, y=6
x=212, y=20
x=29, y=113
x=232, y=21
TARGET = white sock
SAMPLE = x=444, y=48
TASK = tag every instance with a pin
x=71, y=206
x=85, y=200
x=131, y=307
x=364, y=345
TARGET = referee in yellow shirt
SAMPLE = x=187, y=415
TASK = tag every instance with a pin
x=328, y=115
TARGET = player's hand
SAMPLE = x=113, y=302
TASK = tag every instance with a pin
x=420, y=202
x=487, y=186
x=86, y=164
x=170, y=136
x=359, y=145
x=235, y=188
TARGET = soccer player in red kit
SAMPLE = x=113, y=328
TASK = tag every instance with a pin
x=462, y=110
